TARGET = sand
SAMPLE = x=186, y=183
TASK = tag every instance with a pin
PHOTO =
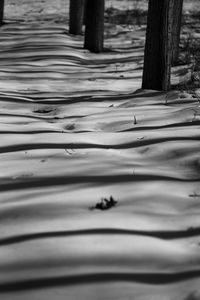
x=75, y=128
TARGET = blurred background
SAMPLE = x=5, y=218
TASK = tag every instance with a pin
x=117, y=11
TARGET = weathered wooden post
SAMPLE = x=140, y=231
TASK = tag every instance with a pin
x=158, y=48
x=177, y=17
x=94, y=29
x=76, y=11
x=1, y=11
x=84, y=13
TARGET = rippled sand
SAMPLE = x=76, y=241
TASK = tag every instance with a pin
x=75, y=127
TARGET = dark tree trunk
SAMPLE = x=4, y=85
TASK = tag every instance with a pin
x=178, y=8
x=1, y=11
x=158, y=48
x=76, y=10
x=94, y=30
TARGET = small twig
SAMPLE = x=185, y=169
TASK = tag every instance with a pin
x=194, y=117
x=67, y=151
x=194, y=195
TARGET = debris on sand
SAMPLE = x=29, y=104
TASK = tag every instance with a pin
x=105, y=204
x=43, y=111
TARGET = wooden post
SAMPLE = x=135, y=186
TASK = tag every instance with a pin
x=1, y=11
x=177, y=17
x=76, y=10
x=84, y=14
x=158, y=48
x=94, y=30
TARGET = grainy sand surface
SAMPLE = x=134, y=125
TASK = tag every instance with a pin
x=75, y=127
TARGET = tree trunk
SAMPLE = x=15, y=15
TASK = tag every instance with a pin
x=158, y=48
x=1, y=11
x=76, y=10
x=94, y=30
x=178, y=7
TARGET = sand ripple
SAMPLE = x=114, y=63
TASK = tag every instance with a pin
x=75, y=128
